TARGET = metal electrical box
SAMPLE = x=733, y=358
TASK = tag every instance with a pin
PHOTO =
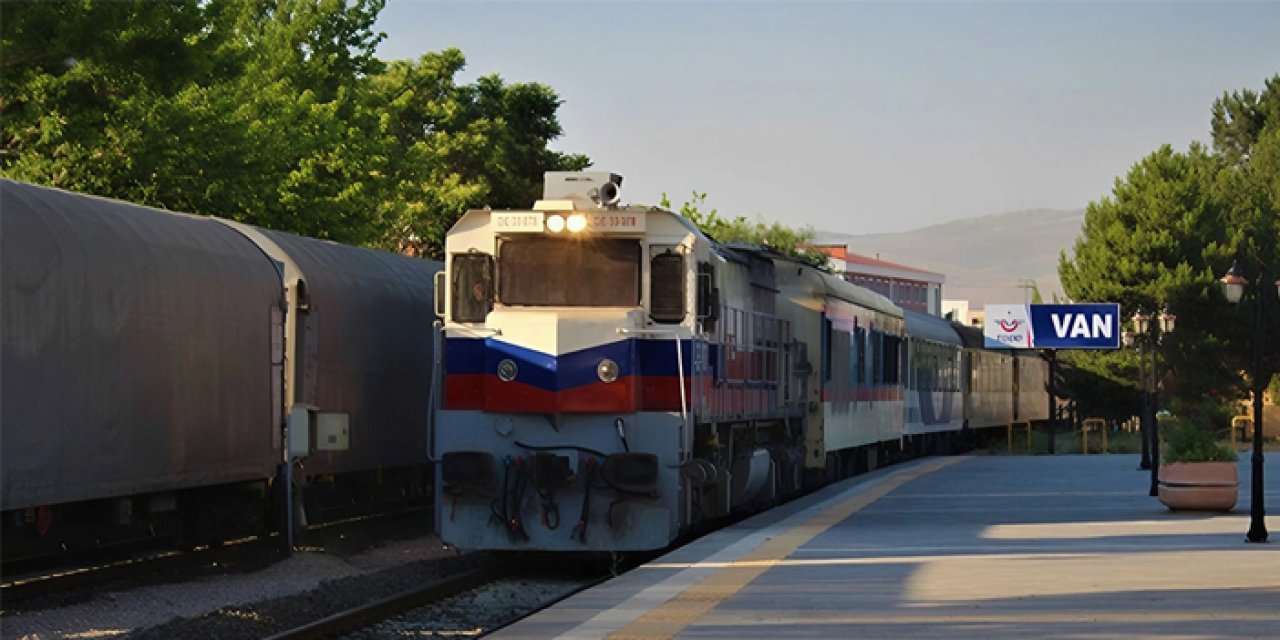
x=332, y=432
x=299, y=431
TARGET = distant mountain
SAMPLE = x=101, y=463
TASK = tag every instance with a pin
x=983, y=258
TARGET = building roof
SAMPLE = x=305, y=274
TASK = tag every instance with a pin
x=844, y=260
x=876, y=263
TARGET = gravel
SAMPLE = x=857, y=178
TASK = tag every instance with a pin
x=307, y=586
x=475, y=612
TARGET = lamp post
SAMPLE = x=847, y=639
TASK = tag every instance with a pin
x=1131, y=340
x=1148, y=339
x=1167, y=321
x=1233, y=286
x=1138, y=339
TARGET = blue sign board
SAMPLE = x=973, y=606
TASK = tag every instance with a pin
x=1052, y=326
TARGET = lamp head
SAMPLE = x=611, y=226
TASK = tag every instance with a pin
x=1233, y=283
x=1167, y=321
x=1140, y=321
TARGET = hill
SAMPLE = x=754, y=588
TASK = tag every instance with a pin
x=984, y=257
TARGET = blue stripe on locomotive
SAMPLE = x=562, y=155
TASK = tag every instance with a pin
x=480, y=356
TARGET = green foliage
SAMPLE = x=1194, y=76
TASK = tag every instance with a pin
x=1241, y=120
x=1168, y=230
x=486, y=144
x=1188, y=440
x=1103, y=382
x=274, y=113
x=778, y=237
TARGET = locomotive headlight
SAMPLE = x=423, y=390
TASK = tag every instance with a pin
x=577, y=222
x=607, y=370
x=555, y=224
x=507, y=370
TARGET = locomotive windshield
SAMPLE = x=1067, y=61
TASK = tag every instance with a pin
x=576, y=272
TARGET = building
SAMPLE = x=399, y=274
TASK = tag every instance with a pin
x=960, y=311
x=907, y=287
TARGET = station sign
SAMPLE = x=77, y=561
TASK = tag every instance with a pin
x=1052, y=326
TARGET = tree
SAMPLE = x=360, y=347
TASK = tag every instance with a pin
x=1240, y=120
x=84, y=85
x=276, y=113
x=236, y=109
x=775, y=236
x=1246, y=131
x=457, y=147
x=1168, y=231
x=1159, y=240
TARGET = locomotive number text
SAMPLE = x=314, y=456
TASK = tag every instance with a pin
x=615, y=222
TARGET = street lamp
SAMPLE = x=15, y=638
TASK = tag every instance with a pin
x=1143, y=330
x=1167, y=322
x=1137, y=339
x=1233, y=286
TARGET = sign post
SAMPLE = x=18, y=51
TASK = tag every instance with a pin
x=1052, y=327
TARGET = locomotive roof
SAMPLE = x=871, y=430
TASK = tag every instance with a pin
x=840, y=288
x=833, y=286
x=931, y=327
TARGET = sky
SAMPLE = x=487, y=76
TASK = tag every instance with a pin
x=861, y=117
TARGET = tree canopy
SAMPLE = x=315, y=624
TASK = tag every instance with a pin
x=276, y=113
x=1167, y=232
x=775, y=236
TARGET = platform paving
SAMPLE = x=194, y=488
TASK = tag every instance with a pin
x=964, y=547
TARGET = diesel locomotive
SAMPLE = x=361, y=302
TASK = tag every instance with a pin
x=612, y=377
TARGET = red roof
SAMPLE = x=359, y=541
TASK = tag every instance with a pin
x=841, y=253
x=853, y=258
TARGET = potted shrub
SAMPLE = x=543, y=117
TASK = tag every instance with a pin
x=1198, y=473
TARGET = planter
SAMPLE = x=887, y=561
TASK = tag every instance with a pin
x=1199, y=486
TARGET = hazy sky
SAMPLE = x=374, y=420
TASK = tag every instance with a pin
x=862, y=117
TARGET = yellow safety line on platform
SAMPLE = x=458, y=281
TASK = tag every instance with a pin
x=671, y=617
x=996, y=617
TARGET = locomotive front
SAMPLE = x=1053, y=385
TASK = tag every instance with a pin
x=567, y=342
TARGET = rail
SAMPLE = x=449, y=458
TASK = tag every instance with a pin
x=373, y=612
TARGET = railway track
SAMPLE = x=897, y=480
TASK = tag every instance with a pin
x=486, y=598
x=22, y=590
x=88, y=571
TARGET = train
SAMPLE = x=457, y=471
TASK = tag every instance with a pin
x=600, y=377
x=163, y=374
x=613, y=379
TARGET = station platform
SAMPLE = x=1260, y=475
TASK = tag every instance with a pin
x=958, y=547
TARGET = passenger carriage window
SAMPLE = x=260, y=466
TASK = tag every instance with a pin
x=860, y=337
x=891, y=359
x=666, y=287
x=826, y=350
x=472, y=288
x=877, y=357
